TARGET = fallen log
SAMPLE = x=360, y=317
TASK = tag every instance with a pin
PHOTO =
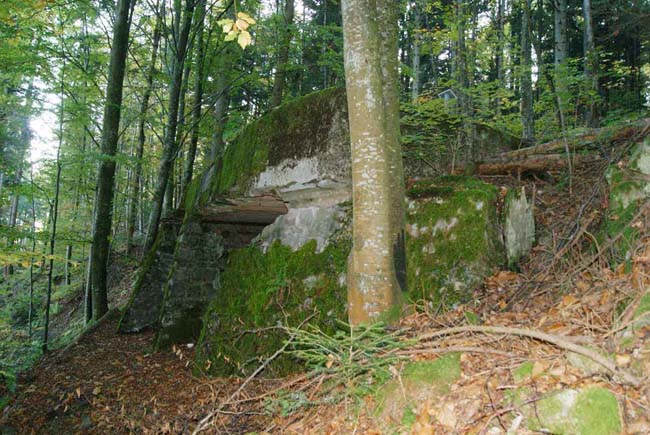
x=532, y=164
x=637, y=130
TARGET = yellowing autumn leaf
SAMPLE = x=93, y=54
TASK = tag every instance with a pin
x=231, y=36
x=241, y=24
x=244, y=39
x=245, y=17
x=226, y=25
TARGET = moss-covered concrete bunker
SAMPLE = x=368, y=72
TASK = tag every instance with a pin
x=293, y=163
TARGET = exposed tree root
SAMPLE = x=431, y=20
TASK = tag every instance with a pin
x=622, y=375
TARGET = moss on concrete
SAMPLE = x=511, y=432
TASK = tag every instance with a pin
x=453, y=240
x=294, y=130
x=261, y=291
x=593, y=411
x=628, y=186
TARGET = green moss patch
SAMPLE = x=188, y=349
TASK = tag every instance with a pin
x=523, y=372
x=453, y=240
x=593, y=411
x=262, y=291
x=628, y=186
x=396, y=401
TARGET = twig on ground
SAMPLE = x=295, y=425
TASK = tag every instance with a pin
x=205, y=422
x=624, y=376
x=464, y=349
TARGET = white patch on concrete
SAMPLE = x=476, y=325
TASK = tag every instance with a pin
x=443, y=226
x=300, y=225
x=290, y=175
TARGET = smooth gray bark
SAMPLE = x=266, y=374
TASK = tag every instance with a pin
x=372, y=80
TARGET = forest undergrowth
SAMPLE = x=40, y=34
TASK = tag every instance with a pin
x=565, y=299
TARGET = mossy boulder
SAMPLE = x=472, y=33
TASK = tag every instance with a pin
x=453, y=238
x=629, y=186
x=591, y=411
x=396, y=401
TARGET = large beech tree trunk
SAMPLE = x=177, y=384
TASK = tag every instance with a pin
x=106, y=176
x=376, y=267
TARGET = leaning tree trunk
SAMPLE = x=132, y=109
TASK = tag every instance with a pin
x=283, y=58
x=106, y=175
x=170, y=145
x=370, y=38
x=144, y=107
x=198, y=98
x=527, y=114
x=591, y=67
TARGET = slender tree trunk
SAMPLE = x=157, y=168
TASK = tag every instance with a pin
x=500, y=67
x=527, y=114
x=88, y=293
x=25, y=140
x=170, y=147
x=415, y=61
x=30, y=315
x=220, y=114
x=55, y=216
x=283, y=57
x=144, y=108
x=370, y=39
x=68, y=265
x=198, y=98
x=106, y=175
x=591, y=67
x=561, y=43
x=561, y=68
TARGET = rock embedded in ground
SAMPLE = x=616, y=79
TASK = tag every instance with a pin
x=397, y=401
x=590, y=411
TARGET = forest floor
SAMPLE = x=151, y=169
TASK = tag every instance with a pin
x=112, y=384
